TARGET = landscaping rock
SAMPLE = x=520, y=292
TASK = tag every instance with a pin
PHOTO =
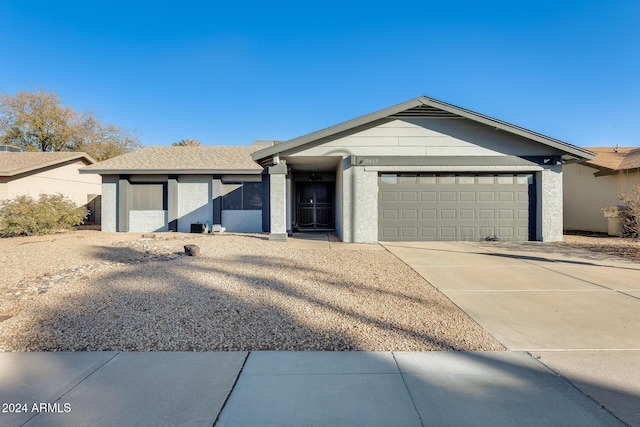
x=243, y=292
x=192, y=250
x=149, y=236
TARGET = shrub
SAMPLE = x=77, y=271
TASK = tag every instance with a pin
x=630, y=213
x=25, y=216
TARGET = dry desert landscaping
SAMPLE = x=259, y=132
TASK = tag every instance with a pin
x=89, y=290
x=604, y=244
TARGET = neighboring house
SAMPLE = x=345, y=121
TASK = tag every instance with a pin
x=591, y=186
x=35, y=173
x=420, y=170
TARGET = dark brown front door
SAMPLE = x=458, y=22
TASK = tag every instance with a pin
x=315, y=205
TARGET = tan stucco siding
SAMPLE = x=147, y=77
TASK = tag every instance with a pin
x=4, y=188
x=429, y=137
x=64, y=179
x=585, y=196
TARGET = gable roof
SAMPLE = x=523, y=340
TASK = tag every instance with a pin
x=423, y=107
x=611, y=160
x=16, y=163
x=180, y=160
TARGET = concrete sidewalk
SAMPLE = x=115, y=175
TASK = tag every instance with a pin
x=289, y=388
x=578, y=312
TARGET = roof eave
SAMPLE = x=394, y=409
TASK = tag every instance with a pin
x=607, y=171
x=499, y=124
x=32, y=168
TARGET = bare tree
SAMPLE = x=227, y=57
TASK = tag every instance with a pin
x=187, y=143
x=630, y=213
x=37, y=121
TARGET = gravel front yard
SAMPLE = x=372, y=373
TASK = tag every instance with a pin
x=603, y=244
x=90, y=290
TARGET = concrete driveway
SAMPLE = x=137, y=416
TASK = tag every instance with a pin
x=577, y=312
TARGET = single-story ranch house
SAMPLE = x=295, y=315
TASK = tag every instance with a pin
x=420, y=170
x=597, y=184
x=35, y=173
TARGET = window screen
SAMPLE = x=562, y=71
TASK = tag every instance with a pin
x=252, y=195
x=147, y=197
x=248, y=196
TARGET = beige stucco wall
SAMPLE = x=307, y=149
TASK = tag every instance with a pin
x=64, y=179
x=585, y=196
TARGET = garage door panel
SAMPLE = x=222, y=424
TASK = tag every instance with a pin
x=468, y=233
x=506, y=233
x=389, y=196
x=428, y=196
x=505, y=214
x=467, y=196
x=486, y=214
x=389, y=233
x=448, y=214
x=446, y=180
x=455, y=208
x=486, y=196
x=409, y=232
x=506, y=196
x=448, y=196
x=428, y=233
x=522, y=233
x=409, y=196
x=409, y=214
x=390, y=214
x=448, y=232
x=467, y=214
x=487, y=231
x=428, y=214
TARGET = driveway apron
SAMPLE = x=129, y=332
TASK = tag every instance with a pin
x=577, y=312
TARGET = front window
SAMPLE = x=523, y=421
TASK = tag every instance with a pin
x=148, y=197
x=243, y=196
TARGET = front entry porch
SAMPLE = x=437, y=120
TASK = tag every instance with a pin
x=314, y=205
x=307, y=191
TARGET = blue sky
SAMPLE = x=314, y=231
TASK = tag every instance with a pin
x=228, y=73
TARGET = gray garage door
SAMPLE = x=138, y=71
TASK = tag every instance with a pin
x=454, y=207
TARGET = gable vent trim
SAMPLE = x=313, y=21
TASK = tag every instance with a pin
x=425, y=111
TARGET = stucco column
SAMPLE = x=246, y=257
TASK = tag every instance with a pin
x=123, y=204
x=549, y=215
x=364, y=196
x=109, y=208
x=172, y=203
x=278, y=201
x=359, y=204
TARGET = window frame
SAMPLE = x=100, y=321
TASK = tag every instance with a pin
x=136, y=201
x=243, y=201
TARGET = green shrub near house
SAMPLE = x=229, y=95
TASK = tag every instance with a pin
x=26, y=216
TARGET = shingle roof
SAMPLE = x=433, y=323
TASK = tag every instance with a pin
x=615, y=159
x=12, y=163
x=174, y=160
